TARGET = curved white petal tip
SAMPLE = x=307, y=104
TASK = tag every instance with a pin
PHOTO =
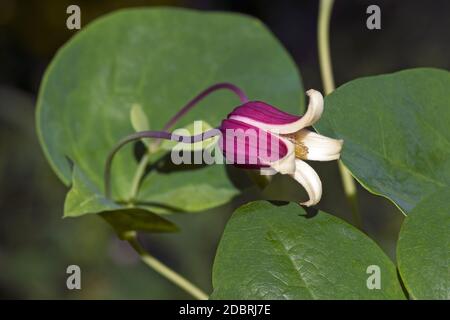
x=315, y=108
x=308, y=178
x=285, y=165
x=312, y=115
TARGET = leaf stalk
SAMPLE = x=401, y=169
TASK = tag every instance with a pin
x=326, y=70
x=164, y=270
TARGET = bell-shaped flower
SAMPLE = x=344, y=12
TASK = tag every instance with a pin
x=258, y=135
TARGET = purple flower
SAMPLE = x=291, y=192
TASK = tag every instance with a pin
x=258, y=135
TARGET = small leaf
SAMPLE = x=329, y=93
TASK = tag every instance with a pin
x=270, y=252
x=134, y=219
x=423, y=249
x=138, y=118
x=395, y=132
x=84, y=197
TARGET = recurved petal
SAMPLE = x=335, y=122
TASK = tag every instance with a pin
x=315, y=109
x=286, y=164
x=271, y=119
x=319, y=147
x=308, y=178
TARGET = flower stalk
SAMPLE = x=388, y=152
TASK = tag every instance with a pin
x=224, y=85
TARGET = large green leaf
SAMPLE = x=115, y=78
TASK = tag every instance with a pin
x=423, y=250
x=396, y=132
x=270, y=252
x=158, y=59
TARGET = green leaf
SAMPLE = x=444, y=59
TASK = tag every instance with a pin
x=138, y=118
x=423, y=250
x=158, y=59
x=270, y=252
x=395, y=131
x=134, y=219
x=84, y=198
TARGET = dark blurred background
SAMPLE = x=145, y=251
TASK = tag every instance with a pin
x=36, y=244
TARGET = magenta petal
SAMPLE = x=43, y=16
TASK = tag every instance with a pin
x=248, y=146
x=263, y=112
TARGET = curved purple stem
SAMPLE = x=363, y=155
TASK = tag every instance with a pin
x=149, y=134
x=224, y=85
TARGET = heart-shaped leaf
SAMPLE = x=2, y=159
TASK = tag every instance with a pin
x=157, y=59
x=270, y=252
x=395, y=131
x=423, y=250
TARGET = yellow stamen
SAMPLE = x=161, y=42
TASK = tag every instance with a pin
x=300, y=149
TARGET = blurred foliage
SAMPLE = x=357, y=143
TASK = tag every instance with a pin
x=33, y=29
x=37, y=245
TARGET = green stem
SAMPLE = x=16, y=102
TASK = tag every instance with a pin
x=165, y=271
x=348, y=183
x=138, y=177
x=325, y=9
